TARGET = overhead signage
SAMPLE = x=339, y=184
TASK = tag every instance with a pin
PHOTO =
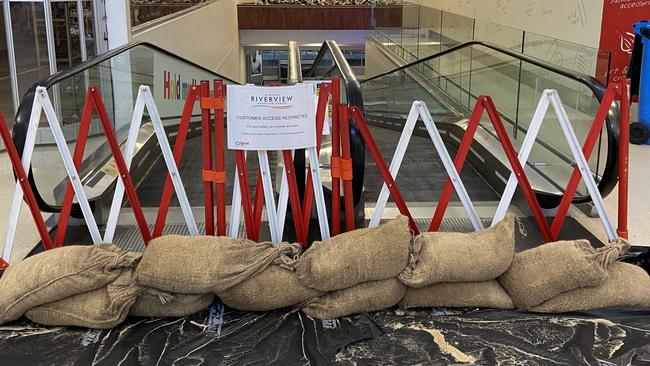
x=271, y=118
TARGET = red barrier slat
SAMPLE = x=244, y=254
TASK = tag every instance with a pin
x=80, y=146
x=623, y=162
x=382, y=166
x=219, y=133
x=320, y=122
x=258, y=207
x=336, y=135
x=294, y=197
x=121, y=165
x=22, y=179
x=179, y=145
x=574, y=180
x=459, y=161
x=245, y=193
x=348, y=198
x=517, y=168
x=206, y=148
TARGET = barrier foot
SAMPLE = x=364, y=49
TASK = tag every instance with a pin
x=3, y=264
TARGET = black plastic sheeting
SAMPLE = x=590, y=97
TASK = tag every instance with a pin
x=219, y=336
x=222, y=336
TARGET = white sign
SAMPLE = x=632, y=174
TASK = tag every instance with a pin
x=271, y=118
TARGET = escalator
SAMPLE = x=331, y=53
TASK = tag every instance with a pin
x=385, y=99
x=450, y=82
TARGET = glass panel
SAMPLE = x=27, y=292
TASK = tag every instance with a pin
x=6, y=101
x=29, y=43
x=501, y=35
x=429, y=31
x=118, y=79
x=89, y=28
x=450, y=84
x=66, y=34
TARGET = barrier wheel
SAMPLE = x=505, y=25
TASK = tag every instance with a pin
x=639, y=133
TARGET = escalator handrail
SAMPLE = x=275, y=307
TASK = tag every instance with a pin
x=609, y=177
x=354, y=98
x=23, y=114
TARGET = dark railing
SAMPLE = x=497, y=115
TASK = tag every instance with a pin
x=354, y=97
x=24, y=109
x=609, y=176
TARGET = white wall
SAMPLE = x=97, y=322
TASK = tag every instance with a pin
x=577, y=21
x=208, y=36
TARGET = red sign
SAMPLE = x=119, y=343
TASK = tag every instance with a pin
x=617, y=35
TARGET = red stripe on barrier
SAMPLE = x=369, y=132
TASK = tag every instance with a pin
x=245, y=193
x=179, y=145
x=80, y=146
x=357, y=116
x=459, y=161
x=590, y=142
x=121, y=165
x=258, y=207
x=219, y=135
x=21, y=177
x=206, y=149
x=294, y=197
x=321, y=109
x=485, y=103
x=336, y=153
x=3, y=264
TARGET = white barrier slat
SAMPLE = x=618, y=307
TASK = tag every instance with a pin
x=524, y=153
x=583, y=165
x=419, y=109
x=16, y=203
x=62, y=145
x=319, y=197
x=145, y=100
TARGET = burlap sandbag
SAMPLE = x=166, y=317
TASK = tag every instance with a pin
x=363, y=255
x=461, y=257
x=274, y=288
x=627, y=286
x=548, y=270
x=202, y=264
x=102, y=308
x=361, y=298
x=159, y=304
x=485, y=294
x=58, y=273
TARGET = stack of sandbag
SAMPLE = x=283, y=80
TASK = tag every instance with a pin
x=572, y=276
x=244, y=274
x=356, y=271
x=460, y=269
x=89, y=286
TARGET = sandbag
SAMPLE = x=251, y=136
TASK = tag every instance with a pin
x=202, y=264
x=103, y=308
x=274, y=288
x=361, y=298
x=358, y=256
x=627, y=286
x=159, y=304
x=485, y=294
x=58, y=273
x=538, y=274
x=461, y=257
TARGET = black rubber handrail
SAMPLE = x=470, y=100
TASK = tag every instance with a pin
x=24, y=109
x=610, y=172
x=355, y=98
